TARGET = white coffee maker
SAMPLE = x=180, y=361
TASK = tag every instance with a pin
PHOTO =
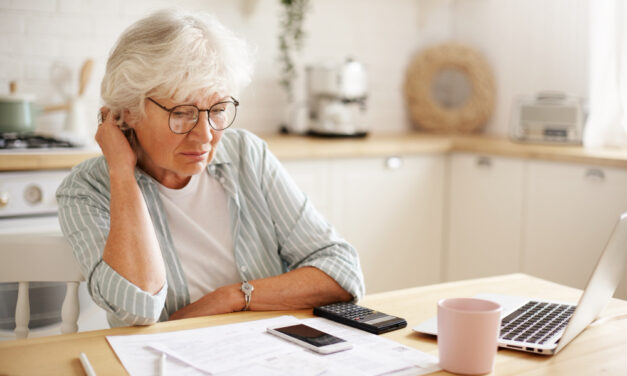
x=336, y=98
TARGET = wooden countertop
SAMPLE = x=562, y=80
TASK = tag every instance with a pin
x=299, y=147
x=600, y=349
x=44, y=160
x=375, y=145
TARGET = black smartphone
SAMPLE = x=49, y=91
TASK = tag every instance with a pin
x=310, y=338
x=360, y=317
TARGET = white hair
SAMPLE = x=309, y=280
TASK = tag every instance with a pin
x=174, y=54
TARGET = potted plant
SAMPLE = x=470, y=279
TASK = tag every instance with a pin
x=291, y=37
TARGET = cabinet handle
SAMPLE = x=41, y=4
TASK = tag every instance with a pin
x=484, y=162
x=393, y=163
x=595, y=174
x=4, y=199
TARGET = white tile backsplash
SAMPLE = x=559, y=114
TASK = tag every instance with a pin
x=30, y=5
x=525, y=50
x=36, y=34
x=10, y=24
x=60, y=26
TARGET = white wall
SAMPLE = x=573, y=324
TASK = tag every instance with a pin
x=39, y=37
x=532, y=45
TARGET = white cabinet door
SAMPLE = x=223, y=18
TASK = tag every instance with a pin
x=571, y=212
x=391, y=209
x=484, y=216
x=312, y=177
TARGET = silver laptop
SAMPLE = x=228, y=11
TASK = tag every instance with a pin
x=545, y=327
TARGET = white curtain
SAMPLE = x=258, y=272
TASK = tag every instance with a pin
x=607, y=120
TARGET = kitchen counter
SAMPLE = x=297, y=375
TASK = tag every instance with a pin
x=300, y=147
x=51, y=159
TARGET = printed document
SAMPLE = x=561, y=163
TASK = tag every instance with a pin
x=247, y=349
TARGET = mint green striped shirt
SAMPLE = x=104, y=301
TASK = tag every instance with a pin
x=275, y=229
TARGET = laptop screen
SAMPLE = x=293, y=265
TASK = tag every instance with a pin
x=602, y=283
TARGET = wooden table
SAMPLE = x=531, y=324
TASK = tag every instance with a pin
x=601, y=349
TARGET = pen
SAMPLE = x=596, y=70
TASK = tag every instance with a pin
x=89, y=370
x=162, y=365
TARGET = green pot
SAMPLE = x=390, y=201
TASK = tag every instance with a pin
x=18, y=113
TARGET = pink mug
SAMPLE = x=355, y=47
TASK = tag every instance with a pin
x=468, y=331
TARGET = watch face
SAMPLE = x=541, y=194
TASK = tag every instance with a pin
x=247, y=287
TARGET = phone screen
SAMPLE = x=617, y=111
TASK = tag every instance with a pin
x=310, y=335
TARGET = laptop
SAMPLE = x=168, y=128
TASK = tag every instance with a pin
x=545, y=327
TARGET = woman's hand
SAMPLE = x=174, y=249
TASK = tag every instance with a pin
x=132, y=247
x=114, y=145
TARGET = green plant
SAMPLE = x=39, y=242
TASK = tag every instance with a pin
x=291, y=36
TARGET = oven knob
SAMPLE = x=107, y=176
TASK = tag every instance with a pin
x=33, y=194
x=4, y=199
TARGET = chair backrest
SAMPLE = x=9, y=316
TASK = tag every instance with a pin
x=40, y=257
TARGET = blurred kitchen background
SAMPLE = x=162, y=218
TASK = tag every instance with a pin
x=531, y=45
x=420, y=208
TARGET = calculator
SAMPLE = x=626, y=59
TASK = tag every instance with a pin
x=360, y=317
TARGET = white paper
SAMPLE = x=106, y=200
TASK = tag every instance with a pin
x=246, y=348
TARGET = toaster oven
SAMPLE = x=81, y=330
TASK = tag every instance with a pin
x=548, y=117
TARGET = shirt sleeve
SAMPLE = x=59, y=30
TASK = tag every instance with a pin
x=305, y=237
x=84, y=217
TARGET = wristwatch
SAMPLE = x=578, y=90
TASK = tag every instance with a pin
x=247, y=289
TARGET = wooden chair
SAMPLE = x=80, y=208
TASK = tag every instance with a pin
x=41, y=257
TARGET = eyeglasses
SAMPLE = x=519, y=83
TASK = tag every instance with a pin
x=183, y=118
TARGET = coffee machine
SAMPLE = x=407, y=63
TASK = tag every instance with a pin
x=336, y=99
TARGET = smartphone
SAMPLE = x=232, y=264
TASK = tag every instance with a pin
x=311, y=338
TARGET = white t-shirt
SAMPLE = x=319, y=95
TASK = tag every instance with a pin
x=198, y=217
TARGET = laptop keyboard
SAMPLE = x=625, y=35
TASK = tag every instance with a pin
x=536, y=322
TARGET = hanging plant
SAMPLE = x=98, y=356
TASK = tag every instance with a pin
x=291, y=36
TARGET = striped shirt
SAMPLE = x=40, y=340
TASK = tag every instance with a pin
x=275, y=229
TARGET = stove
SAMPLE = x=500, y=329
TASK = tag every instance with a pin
x=28, y=208
x=13, y=141
x=29, y=194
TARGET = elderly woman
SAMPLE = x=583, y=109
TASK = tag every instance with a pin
x=180, y=216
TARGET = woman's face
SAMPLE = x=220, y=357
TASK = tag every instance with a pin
x=173, y=158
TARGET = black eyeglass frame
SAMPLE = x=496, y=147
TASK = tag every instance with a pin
x=208, y=110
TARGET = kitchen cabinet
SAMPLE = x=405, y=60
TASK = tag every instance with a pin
x=312, y=177
x=485, y=204
x=547, y=219
x=571, y=211
x=421, y=219
x=389, y=208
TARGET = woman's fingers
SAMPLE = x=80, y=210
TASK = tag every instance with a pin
x=104, y=115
